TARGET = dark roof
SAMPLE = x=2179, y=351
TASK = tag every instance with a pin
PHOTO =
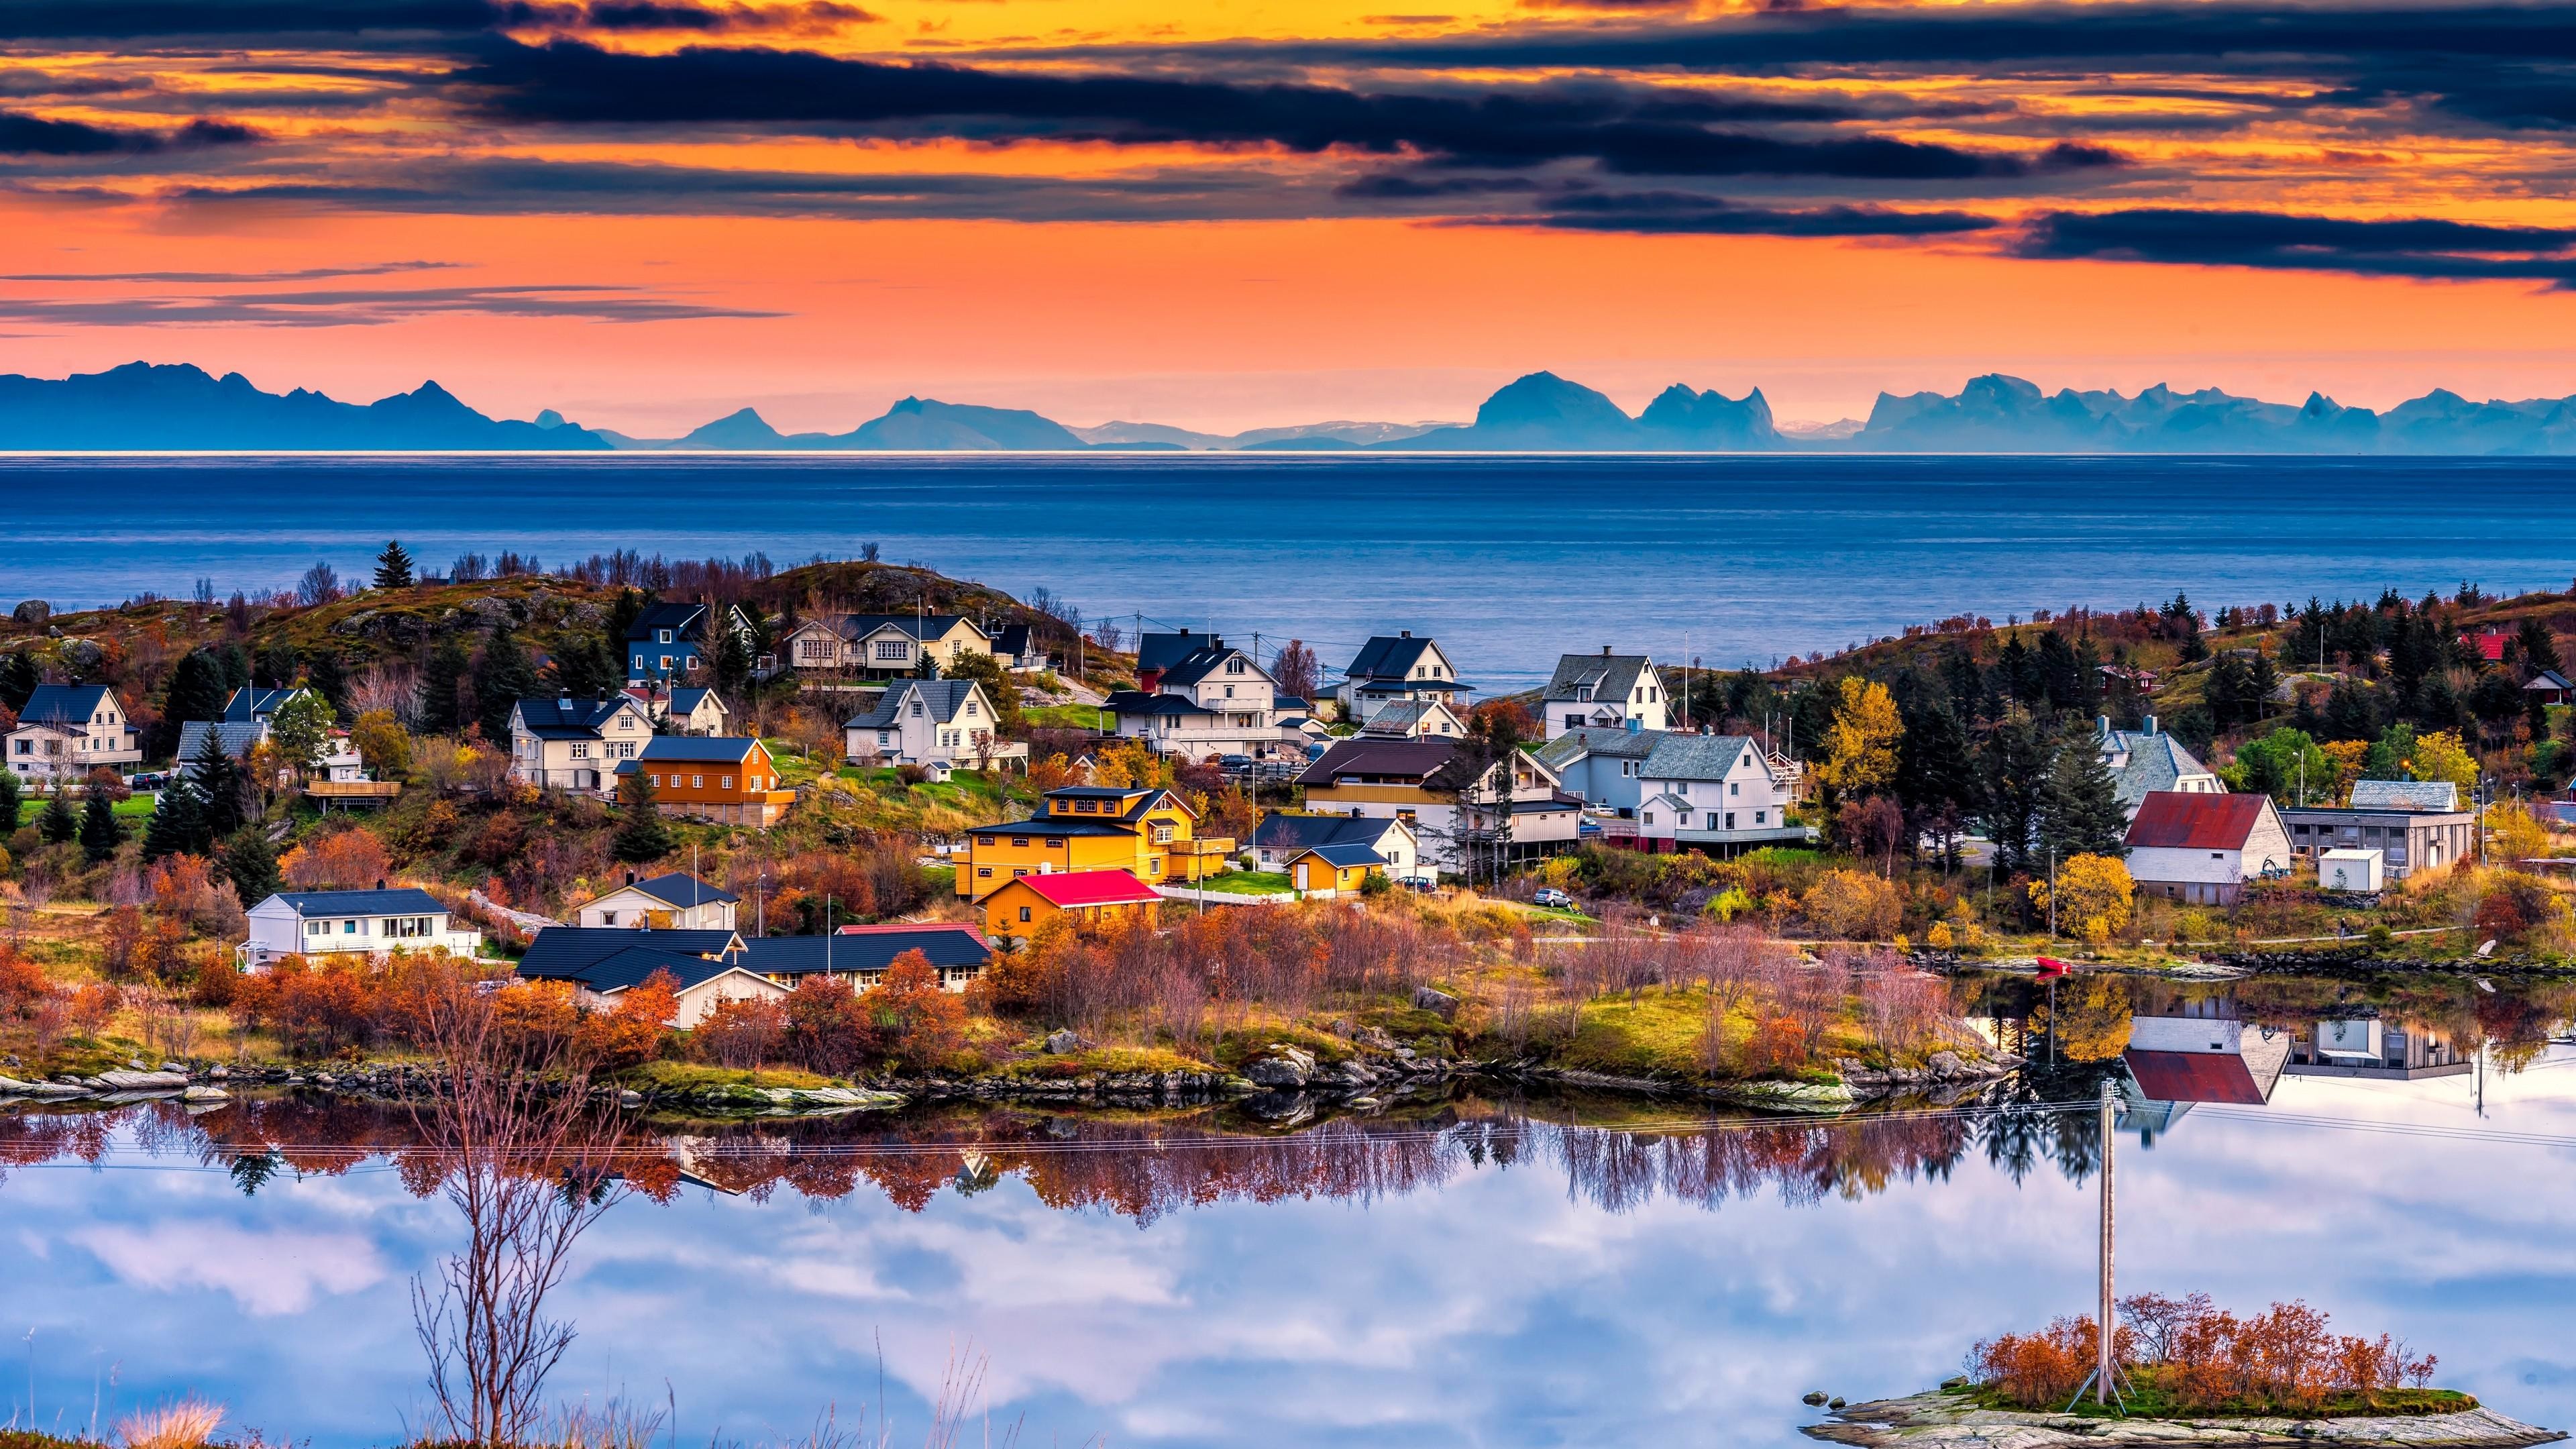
x=1011, y=639
x=556, y=717
x=238, y=738
x=2175, y=820
x=1345, y=854
x=1407, y=758
x=1132, y=701
x=1388, y=656
x=919, y=626
x=247, y=705
x=709, y=749
x=1697, y=757
x=1199, y=663
x=943, y=697
x=686, y=701
x=1162, y=651
x=1057, y=825
x=1101, y=792
x=635, y=965
x=1610, y=676
x=2194, y=1077
x=402, y=901
x=1288, y=830
x=872, y=949
x=683, y=889
x=63, y=704
x=683, y=620
x=568, y=952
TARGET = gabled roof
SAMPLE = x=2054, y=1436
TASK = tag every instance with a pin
x=1405, y=716
x=65, y=706
x=1416, y=759
x=1609, y=676
x=1342, y=854
x=1131, y=800
x=2178, y=820
x=2440, y=796
x=2548, y=679
x=636, y=965
x=1156, y=652
x=1388, y=656
x=683, y=890
x=683, y=620
x=2194, y=1077
x=1153, y=706
x=401, y=901
x=1619, y=744
x=562, y=717
x=237, y=738
x=920, y=627
x=1288, y=830
x=1011, y=639
x=941, y=699
x=866, y=948
x=1075, y=889
x=686, y=701
x=248, y=705
x=569, y=952
x=708, y=749
x=2154, y=761
x=1697, y=757
x=1199, y=663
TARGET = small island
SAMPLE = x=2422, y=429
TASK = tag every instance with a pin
x=2189, y=1373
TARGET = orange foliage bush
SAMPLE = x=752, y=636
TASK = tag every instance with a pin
x=348, y=859
x=917, y=1023
x=2282, y=1360
x=739, y=1033
x=2043, y=1368
x=630, y=1031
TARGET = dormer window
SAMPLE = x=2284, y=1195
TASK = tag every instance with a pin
x=662, y=637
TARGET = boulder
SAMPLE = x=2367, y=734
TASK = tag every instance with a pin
x=1061, y=1041
x=205, y=1094
x=32, y=611
x=12, y=1087
x=1427, y=998
x=143, y=1081
x=1286, y=1068
x=1944, y=1064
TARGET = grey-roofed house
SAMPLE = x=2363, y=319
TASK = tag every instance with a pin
x=565, y=742
x=1398, y=666
x=932, y=722
x=956, y=950
x=1280, y=835
x=882, y=646
x=2409, y=836
x=1713, y=793
x=1604, y=765
x=1422, y=782
x=2441, y=797
x=370, y=922
x=64, y=731
x=1420, y=718
x=2148, y=761
x=1604, y=691
x=676, y=900
x=699, y=983
x=1214, y=700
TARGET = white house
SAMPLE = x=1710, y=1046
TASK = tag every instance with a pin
x=1214, y=700
x=67, y=730
x=688, y=710
x=2143, y=761
x=1712, y=791
x=677, y=901
x=2202, y=849
x=1415, y=718
x=1421, y=783
x=576, y=744
x=1392, y=667
x=948, y=722
x=884, y=645
x=376, y=922
x=1602, y=766
x=1604, y=691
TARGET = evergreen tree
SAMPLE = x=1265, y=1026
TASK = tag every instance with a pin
x=328, y=677
x=442, y=679
x=733, y=660
x=178, y=824
x=10, y=796
x=1936, y=779
x=585, y=667
x=2014, y=676
x=2232, y=694
x=220, y=785
x=276, y=666
x=2080, y=810
x=236, y=662
x=393, y=566
x=502, y=677
x=2060, y=677
x=197, y=692
x=19, y=676
x=2539, y=646
x=252, y=863
x=100, y=831
x=2011, y=770
x=59, y=822
x=642, y=837
x=2351, y=713
x=1959, y=673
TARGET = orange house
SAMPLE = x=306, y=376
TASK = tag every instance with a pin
x=1091, y=897
x=730, y=781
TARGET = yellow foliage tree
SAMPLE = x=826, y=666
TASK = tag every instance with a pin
x=2348, y=756
x=2089, y=888
x=383, y=743
x=1860, y=748
x=2440, y=756
x=1855, y=905
x=1128, y=764
x=2517, y=835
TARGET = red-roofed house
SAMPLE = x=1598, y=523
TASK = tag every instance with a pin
x=1092, y=898
x=2203, y=848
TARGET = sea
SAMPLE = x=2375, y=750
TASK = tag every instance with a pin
x=1509, y=561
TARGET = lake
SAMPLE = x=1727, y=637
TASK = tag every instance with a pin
x=1509, y=560
x=1483, y=1270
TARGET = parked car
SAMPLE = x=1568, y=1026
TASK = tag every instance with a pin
x=1418, y=884
x=1551, y=896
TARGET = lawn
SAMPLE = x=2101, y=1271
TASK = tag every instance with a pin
x=1068, y=717
x=1249, y=883
x=2151, y=1401
x=132, y=811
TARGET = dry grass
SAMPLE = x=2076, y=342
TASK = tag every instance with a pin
x=180, y=1424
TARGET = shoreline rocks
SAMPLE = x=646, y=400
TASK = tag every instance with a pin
x=1942, y=1419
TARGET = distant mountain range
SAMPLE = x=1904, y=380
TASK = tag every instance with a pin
x=141, y=406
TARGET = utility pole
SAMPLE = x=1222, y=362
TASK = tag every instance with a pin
x=2103, y=1367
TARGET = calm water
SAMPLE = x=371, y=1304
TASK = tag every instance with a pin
x=1509, y=560
x=1470, y=1273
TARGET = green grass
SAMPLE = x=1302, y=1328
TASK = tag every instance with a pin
x=692, y=1076
x=1249, y=883
x=1108, y=1059
x=1068, y=717
x=132, y=811
x=2151, y=1401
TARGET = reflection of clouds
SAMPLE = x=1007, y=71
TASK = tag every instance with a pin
x=267, y=1273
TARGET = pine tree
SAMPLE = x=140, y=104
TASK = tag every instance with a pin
x=59, y=822
x=178, y=823
x=236, y=662
x=197, y=692
x=502, y=677
x=643, y=837
x=2080, y=810
x=733, y=659
x=100, y=831
x=328, y=677
x=19, y=676
x=10, y=796
x=586, y=668
x=2011, y=770
x=441, y=680
x=252, y=863
x=393, y=566
x=220, y=786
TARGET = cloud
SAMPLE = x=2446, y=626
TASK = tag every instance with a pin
x=569, y=82
x=2421, y=247
x=39, y=136
x=308, y=274
x=1680, y=213
x=346, y=22
x=357, y=307
x=268, y=1273
x=820, y=15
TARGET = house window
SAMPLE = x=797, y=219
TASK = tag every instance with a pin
x=885, y=737
x=316, y=928
x=1234, y=666
x=608, y=918
x=1730, y=820
x=1648, y=817
x=1162, y=835
x=639, y=663
x=1759, y=816
x=666, y=663
x=663, y=637
x=580, y=750
x=1712, y=820
x=985, y=839
x=916, y=709
x=1024, y=913
x=892, y=649
x=1056, y=843
x=697, y=782
x=726, y=782
x=1086, y=807
x=983, y=872
x=970, y=708
x=1734, y=787
x=348, y=928
x=1019, y=842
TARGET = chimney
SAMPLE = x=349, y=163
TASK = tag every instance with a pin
x=2151, y=724
x=380, y=882
x=1404, y=633
x=630, y=877
x=2102, y=724
x=1605, y=651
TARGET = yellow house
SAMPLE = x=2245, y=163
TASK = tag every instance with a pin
x=1332, y=869
x=1143, y=830
x=1091, y=897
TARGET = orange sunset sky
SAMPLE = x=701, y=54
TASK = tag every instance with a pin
x=1236, y=215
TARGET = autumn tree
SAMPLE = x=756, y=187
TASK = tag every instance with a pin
x=918, y=1022
x=1860, y=745
x=349, y=859
x=301, y=729
x=2441, y=756
x=1296, y=670
x=382, y=743
x=987, y=671
x=2092, y=895
x=1853, y=905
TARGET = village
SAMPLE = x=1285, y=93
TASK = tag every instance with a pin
x=709, y=796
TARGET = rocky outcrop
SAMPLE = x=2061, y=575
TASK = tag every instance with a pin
x=1942, y=1419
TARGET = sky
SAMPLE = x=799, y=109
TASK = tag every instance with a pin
x=1241, y=213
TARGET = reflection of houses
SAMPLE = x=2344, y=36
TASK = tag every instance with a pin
x=2198, y=1051
x=2367, y=1046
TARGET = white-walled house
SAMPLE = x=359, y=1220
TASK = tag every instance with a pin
x=565, y=743
x=1704, y=791
x=1395, y=667
x=931, y=722
x=1604, y=691
x=2143, y=761
x=677, y=901
x=1416, y=719
x=375, y=923
x=1214, y=700
x=1282, y=835
x=2202, y=849
x=688, y=710
x=882, y=645
x=1603, y=766
x=67, y=730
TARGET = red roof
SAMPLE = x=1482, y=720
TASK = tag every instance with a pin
x=2194, y=1077
x=2490, y=647
x=1076, y=888
x=2180, y=820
